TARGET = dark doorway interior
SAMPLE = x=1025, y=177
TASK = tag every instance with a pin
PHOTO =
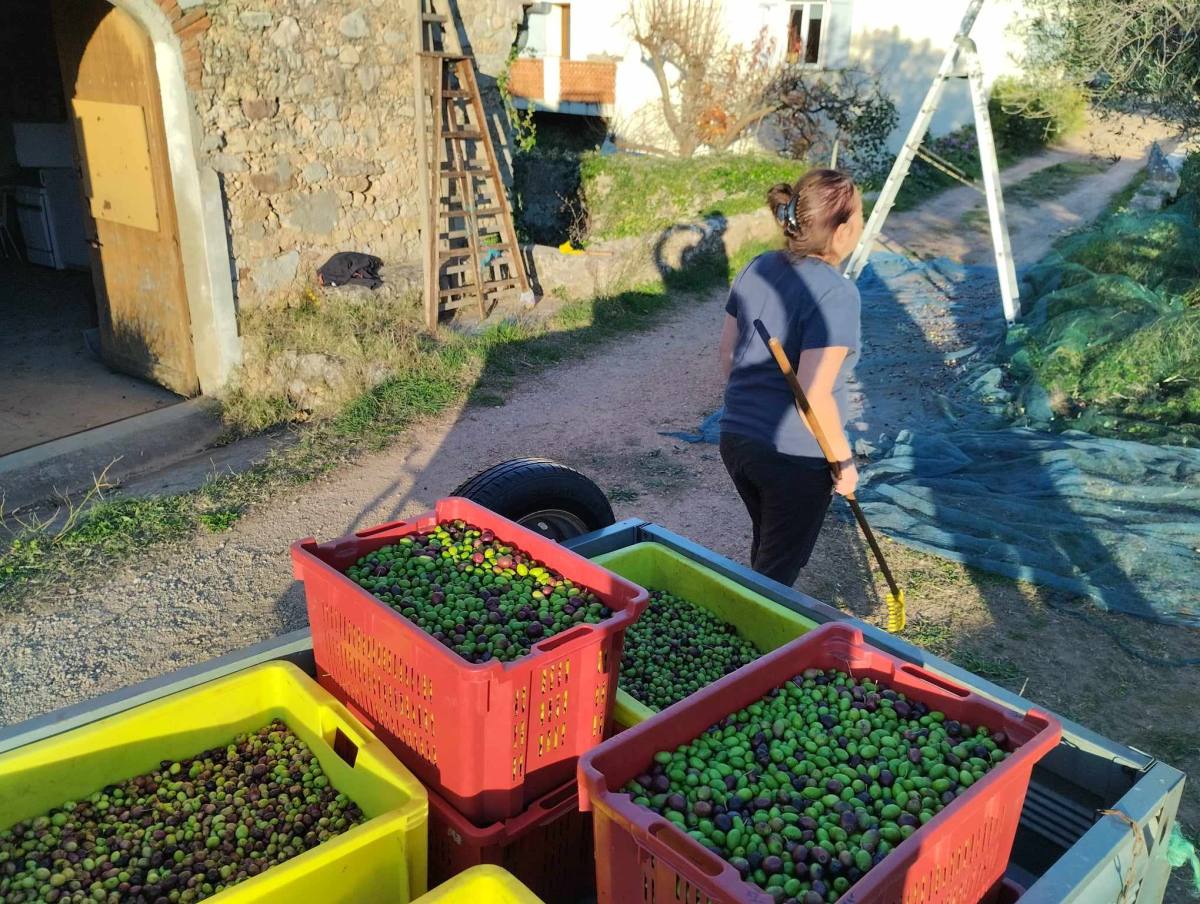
x=52, y=381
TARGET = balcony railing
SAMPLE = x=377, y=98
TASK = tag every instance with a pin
x=551, y=81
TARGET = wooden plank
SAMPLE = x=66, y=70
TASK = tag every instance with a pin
x=493, y=286
x=478, y=212
x=455, y=252
x=454, y=174
x=120, y=176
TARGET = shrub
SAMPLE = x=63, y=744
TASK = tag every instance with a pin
x=1028, y=113
x=1189, y=176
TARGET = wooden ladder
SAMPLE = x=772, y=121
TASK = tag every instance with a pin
x=469, y=245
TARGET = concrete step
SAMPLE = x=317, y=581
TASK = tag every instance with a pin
x=127, y=448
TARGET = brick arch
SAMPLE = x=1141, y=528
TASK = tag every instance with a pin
x=188, y=27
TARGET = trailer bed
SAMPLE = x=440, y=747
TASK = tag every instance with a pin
x=1096, y=817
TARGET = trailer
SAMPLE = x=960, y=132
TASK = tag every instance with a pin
x=1095, y=821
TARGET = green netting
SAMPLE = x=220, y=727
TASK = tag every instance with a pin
x=1112, y=328
x=1182, y=853
x=1107, y=518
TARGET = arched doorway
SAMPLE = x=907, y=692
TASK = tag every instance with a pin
x=151, y=217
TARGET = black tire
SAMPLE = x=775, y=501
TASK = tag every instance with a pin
x=542, y=495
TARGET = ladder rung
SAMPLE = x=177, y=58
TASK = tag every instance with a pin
x=464, y=135
x=455, y=92
x=483, y=201
x=432, y=17
x=495, y=286
x=455, y=174
x=479, y=212
x=447, y=253
x=443, y=55
x=500, y=284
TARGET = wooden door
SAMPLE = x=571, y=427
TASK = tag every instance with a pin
x=107, y=63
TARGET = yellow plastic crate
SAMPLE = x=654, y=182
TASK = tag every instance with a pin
x=484, y=884
x=383, y=859
x=764, y=623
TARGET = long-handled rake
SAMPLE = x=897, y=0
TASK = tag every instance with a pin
x=896, y=615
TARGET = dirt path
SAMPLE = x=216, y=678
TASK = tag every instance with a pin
x=943, y=226
x=603, y=414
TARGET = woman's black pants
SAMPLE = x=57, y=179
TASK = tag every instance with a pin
x=787, y=497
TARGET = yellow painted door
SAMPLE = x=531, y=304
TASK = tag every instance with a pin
x=107, y=63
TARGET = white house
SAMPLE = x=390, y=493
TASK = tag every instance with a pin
x=580, y=57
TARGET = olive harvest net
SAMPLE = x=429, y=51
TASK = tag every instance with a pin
x=1111, y=331
x=1005, y=478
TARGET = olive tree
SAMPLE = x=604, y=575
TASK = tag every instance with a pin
x=1130, y=53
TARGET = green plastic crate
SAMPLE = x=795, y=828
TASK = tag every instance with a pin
x=766, y=624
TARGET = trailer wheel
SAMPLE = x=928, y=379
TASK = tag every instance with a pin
x=547, y=497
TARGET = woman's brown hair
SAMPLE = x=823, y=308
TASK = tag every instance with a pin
x=811, y=210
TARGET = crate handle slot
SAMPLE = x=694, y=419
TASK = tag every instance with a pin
x=666, y=834
x=381, y=529
x=554, y=805
x=344, y=747
x=937, y=681
x=553, y=643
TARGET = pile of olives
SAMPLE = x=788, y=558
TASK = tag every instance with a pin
x=475, y=594
x=810, y=787
x=181, y=833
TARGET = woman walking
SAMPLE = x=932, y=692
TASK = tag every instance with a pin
x=804, y=301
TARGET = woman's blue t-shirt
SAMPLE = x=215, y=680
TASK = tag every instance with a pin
x=805, y=304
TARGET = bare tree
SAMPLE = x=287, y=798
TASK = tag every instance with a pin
x=711, y=91
x=1129, y=52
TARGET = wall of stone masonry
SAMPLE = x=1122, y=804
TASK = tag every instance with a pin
x=305, y=109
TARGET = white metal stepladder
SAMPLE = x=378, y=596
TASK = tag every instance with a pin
x=962, y=61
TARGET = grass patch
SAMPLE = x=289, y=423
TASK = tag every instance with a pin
x=623, y=494
x=1053, y=181
x=217, y=522
x=630, y=195
x=958, y=148
x=996, y=669
x=1174, y=746
x=939, y=640
x=431, y=375
x=1122, y=199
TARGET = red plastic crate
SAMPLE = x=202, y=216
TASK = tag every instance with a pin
x=956, y=858
x=489, y=737
x=548, y=847
x=1006, y=891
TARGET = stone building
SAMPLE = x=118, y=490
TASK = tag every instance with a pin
x=164, y=163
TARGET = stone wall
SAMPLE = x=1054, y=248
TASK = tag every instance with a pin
x=305, y=109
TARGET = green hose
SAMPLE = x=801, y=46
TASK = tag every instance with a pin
x=1181, y=852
